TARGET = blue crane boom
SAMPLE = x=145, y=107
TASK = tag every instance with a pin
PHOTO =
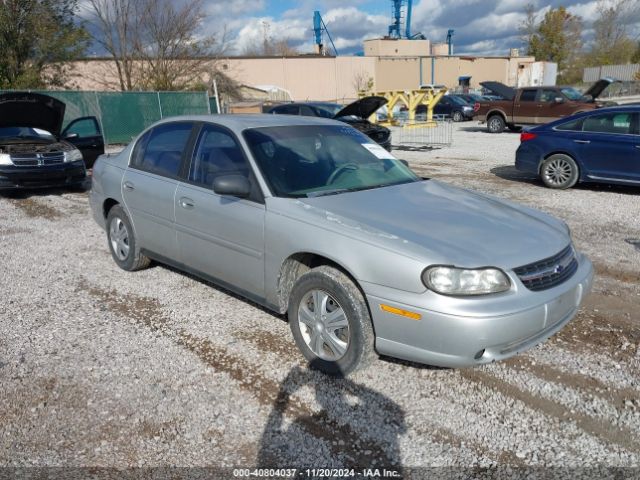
x=395, y=29
x=319, y=27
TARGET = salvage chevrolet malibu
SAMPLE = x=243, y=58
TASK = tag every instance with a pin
x=308, y=216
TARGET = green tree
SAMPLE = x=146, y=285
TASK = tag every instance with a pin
x=37, y=37
x=557, y=38
x=636, y=56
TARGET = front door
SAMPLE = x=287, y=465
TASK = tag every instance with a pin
x=86, y=135
x=610, y=146
x=552, y=106
x=219, y=236
x=149, y=186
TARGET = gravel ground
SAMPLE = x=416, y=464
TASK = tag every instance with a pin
x=104, y=368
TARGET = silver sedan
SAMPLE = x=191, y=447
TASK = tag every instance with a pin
x=310, y=218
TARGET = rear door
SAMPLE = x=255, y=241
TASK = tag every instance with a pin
x=85, y=133
x=525, y=107
x=221, y=236
x=149, y=186
x=609, y=146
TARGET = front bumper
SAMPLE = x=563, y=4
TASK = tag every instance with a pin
x=12, y=177
x=454, y=340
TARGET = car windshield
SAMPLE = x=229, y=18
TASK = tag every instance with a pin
x=315, y=160
x=458, y=100
x=328, y=110
x=571, y=93
x=26, y=133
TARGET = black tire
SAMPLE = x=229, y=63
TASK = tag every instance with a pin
x=514, y=128
x=346, y=295
x=457, y=116
x=496, y=124
x=559, y=171
x=133, y=260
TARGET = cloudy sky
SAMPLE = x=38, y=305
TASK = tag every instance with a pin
x=482, y=27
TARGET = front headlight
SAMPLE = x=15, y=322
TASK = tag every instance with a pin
x=5, y=159
x=73, y=156
x=459, y=281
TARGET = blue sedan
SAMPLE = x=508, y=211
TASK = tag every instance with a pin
x=598, y=146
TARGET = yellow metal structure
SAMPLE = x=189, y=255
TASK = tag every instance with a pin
x=412, y=99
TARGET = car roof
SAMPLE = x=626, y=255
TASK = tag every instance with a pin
x=240, y=122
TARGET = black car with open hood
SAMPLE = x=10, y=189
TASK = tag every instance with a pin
x=355, y=114
x=34, y=149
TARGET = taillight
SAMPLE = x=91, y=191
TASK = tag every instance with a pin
x=476, y=106
x=524, y=136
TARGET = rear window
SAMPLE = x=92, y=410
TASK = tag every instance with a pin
x=528, y=96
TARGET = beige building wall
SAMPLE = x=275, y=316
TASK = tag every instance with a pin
x=386, y=47
x=336, y=79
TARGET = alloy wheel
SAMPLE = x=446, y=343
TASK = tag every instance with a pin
x=558, y=172
x=119, y=238
x=323, y=325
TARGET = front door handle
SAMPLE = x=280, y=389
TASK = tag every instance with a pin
x=129, y=186
x=584, y=142
x=187, y=203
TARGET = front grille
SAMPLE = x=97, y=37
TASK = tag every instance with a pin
x=37, y=159
x=549, y=272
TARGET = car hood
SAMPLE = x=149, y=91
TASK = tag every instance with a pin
x=500, y=89
x=363, y=108
x=438, y=223
x=597, y=88
x=32, y=110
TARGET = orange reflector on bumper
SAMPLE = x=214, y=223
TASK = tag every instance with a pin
x=399, y=311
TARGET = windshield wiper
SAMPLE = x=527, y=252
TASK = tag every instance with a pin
x=324, y=193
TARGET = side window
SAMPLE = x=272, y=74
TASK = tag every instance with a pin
x=289, y=110
x=617, y=123
x=528, y=95
x=83, y=128
x=216, y=154
x=549, y=96
x=572, y=126
x=161, y=152
x=304, y=110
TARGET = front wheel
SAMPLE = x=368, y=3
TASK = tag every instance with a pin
x=559, y=171
x=330, y=322
x=457, y=116
x=122, y=241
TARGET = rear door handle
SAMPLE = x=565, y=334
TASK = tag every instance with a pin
x=187, y=203
x=582, y=141
x=129, y=186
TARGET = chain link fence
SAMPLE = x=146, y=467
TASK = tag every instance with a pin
x=123, y=115
x=422, y=135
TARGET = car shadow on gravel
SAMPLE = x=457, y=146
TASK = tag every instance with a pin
x=483, y=129
x=509, y=172
x=355, y=427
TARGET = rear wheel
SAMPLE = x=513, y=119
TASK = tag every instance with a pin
x=496, y=124
x=330, y=322
x=559, y=171
x=122, y=241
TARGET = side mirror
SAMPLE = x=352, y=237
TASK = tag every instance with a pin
x=404, y=162
x=71, y=136
x=232, y=185
x=558, y=100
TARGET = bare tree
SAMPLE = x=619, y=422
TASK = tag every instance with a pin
x=158, y=44
x=362, y=82
x=116, y=31
x=612, y=44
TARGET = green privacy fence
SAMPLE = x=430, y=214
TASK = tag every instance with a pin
x=123, y=115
